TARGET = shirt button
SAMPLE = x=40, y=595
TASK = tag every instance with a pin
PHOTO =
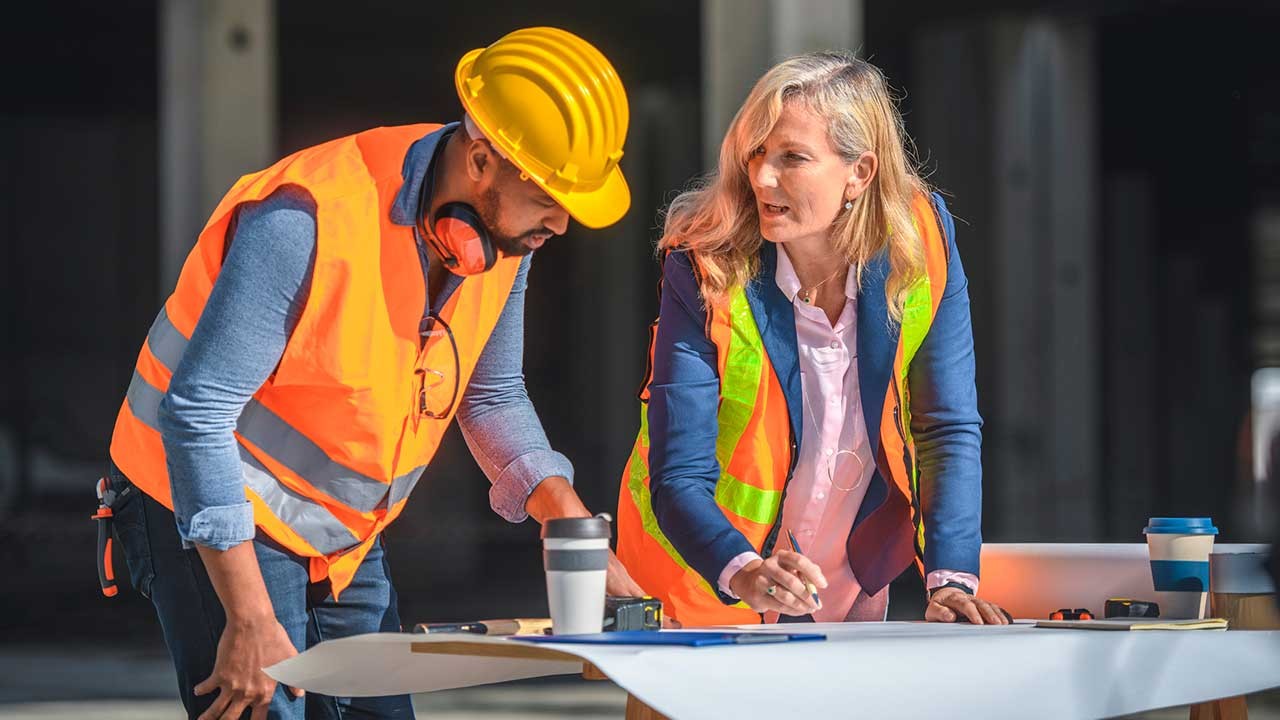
x=821, y=495
x=835, y=400
x=835, y=344
x=829, y=452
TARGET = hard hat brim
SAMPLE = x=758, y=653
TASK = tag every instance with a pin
x=595, y=209
x=599, y=208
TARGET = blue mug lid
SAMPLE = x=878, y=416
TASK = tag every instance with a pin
x=1180, y=526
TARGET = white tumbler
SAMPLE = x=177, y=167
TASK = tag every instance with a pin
x=575, y=553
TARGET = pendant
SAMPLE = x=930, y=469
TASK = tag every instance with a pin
x=806, y=299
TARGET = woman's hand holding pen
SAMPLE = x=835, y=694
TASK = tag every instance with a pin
x=783, y=583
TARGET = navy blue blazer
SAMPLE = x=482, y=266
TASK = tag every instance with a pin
x=685, y=394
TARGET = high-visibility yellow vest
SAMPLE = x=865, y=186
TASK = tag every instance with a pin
x=754, y=446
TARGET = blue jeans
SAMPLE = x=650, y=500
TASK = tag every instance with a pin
x=192, y=618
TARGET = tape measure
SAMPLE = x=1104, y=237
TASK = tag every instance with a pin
x=632, y=613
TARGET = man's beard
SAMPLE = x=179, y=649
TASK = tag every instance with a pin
x=509, y=245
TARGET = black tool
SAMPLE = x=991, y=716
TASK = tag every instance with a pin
x=1127, y=608
x=632, y=613
x=506, y=626
x=474, y=628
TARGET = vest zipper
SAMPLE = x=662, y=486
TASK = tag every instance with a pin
x=909, y=464
x=772, y=538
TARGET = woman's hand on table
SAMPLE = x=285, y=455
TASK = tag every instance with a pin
x=949, y=604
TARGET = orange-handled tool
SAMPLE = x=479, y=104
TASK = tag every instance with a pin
x=106, y=572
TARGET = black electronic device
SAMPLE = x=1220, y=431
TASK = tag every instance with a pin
x=632, y=613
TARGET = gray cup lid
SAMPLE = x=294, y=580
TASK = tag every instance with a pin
x=578, y=528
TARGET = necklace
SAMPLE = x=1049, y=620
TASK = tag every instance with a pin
x=833, y=461
x=806, y=296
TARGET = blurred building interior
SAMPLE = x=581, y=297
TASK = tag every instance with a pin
x=1115, y=167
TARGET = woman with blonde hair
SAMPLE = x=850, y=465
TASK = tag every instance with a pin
x=810, y=422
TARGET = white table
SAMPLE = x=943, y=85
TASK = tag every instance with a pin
x=880, y=670
x=871, y=670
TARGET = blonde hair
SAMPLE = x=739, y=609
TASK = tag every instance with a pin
x=716, y=219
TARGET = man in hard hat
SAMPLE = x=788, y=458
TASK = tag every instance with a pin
x=338, y=311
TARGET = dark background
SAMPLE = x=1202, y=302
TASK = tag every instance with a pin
x=1184, y=122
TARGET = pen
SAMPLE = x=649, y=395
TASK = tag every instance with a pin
x=808, y=585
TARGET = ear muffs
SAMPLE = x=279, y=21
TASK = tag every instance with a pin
x=457, y=234
x=461, y=239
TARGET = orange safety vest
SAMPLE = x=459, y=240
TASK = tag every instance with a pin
x=754, y=446
x=331, y=444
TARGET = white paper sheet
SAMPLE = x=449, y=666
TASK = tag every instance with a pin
x=880, y=670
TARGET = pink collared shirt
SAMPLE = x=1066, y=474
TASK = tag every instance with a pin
x=835, y=463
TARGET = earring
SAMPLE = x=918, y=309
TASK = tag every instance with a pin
x=848, y=204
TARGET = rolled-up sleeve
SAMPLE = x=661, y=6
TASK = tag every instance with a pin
x=498, y=420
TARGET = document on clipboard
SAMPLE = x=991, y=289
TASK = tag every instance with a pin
x=687, y=638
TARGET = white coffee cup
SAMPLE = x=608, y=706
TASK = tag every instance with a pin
x=575, y=554
x=1179, y=549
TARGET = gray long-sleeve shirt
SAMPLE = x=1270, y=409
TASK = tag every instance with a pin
x=242, y=333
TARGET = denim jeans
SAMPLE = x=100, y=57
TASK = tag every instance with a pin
x=192, y=618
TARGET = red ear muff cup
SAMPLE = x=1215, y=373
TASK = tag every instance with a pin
x=464, y=237
x=464, y=243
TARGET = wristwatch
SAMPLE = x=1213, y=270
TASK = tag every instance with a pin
x=952, y=584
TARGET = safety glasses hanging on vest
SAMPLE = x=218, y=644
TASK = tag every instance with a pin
x=455, y=232
x=462, y=242
x=434, y=391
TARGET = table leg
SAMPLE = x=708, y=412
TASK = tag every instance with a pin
x=636, y=710
x=1232, y=708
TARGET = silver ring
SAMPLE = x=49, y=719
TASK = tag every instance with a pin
x=771, y=589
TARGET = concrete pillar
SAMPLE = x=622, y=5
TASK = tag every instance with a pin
x=217, y=112
x=741, y=39
x=1018, y=98
x=1255, y=506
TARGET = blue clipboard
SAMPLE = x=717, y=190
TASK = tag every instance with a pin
x=692, y=638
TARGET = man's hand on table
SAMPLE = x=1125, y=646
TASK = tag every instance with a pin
x=949, y=604
x=555, y=498
x=618, y=581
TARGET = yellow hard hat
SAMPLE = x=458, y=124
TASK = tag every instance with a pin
x=553, y=105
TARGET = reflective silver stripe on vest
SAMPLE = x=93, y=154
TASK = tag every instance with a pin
x=312, y=521
x=266, y=430
x=403, y=485
x=144, y=401
x=165, y=341
x=262, y=427
x=297, y=452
